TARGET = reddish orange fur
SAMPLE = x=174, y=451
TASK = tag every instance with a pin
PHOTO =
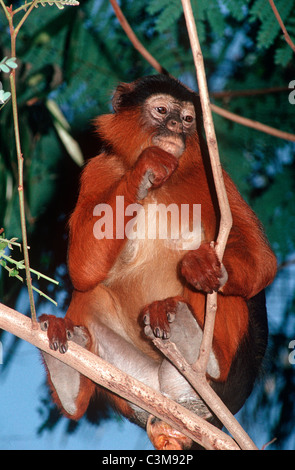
x=248, y=259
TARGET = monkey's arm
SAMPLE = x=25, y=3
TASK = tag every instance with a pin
x=104, y=178
x=250, y=265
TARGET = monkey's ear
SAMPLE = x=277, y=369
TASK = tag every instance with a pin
x=122, y=90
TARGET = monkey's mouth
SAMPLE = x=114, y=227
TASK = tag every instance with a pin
x=174, y=146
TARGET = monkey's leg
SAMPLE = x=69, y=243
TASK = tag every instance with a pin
x=71, y=390
x=185, y=332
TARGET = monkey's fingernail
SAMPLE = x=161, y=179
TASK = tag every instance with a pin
x=157, y=332
x=63, y=348
x=54, y=345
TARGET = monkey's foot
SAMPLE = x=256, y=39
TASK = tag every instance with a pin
x=157, y=316
x=164, y=437
x=62, y=330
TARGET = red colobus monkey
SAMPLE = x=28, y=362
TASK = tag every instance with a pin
x=128, y=288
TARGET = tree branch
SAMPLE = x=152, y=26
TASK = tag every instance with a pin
x=225, y=212
x=120, y=383
x=226, y=95
x=253, y=124
x=136, y=43
x=197, y=374
x=283, y=27
x=194, y=374
x=216, y=109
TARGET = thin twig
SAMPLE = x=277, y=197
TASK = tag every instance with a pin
x=21, y=196
x=21, y=183
x=199, y=382
x=13, y=34
x=206, y=346
x=283, y=27
x=227, y=94
x=18, y=27
x=225, y=212
x=216, y=109
x=253, y=124
x=136, y=43
x=6, y=9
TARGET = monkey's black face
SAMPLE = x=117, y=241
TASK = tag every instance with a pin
x=171, y=121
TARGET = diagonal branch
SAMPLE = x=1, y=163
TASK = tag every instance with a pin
x=258, y=126
x=216, y=109
x=120, y=383
x=195, y=376
x=283, y=27
x=134, y=40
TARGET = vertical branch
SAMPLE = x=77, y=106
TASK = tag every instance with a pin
x=20, y=161
x=226, y=218
x=13, y=33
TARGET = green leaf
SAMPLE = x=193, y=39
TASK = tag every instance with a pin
x=283, y=55
x=4, y=68
x=8, y=63
x=11, y=63
x=4, y=96
x=63, y=129
x=13, y=272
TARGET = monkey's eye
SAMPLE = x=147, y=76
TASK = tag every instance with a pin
x=161, y=109
x=188, y=118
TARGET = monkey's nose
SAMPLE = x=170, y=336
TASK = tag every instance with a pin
x=174, y=125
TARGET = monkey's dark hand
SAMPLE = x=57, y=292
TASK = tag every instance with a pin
x=203, y=270
x=62, y=330
x=154, y=166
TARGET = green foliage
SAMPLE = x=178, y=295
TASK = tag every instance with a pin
x=237, y=8
x=168, y=12
x=7, y=64
x=4, y=96
x=13, y=267
x=270, y=27
x=73, y=58
x=60, y=4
